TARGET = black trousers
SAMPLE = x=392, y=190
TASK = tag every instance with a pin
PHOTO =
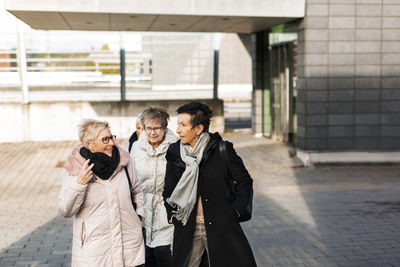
x=158, y=256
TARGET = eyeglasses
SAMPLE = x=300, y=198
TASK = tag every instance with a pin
x=155, y=129
x=107, y=139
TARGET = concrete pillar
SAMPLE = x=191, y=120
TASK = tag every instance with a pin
x=257, y=85
x=22, y=68
x=261, y=117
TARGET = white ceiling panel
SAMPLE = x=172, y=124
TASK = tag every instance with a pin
x=176, y=23
x=146, y=22
x=43, y=20
x=248, y=8
x=88, y=21
x=131, y=22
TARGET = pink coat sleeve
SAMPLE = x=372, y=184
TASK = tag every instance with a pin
x=71, y=196
x=139, y=198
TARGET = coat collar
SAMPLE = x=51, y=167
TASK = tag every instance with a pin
x=143, y=143
x=174, y=154
x=75, y=161
x=212, y=144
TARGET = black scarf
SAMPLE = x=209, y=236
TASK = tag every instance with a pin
x=104, y=166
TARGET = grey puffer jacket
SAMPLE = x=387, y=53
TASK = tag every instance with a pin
x=150, y=166
x=106, y=228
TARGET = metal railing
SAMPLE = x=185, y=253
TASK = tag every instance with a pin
x=163, y=66
x=96, y=67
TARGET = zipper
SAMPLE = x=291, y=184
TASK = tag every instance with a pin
x=153, y=203
x=83, y=234
x=154, y=195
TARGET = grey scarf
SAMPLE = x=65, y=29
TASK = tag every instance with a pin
x=183, y=198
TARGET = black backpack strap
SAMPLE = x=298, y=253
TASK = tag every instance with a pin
x=229, y=180
x=130, y=145
x=130, y=188
x=225, y=161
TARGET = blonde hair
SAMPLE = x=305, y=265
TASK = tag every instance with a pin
x=89, y=129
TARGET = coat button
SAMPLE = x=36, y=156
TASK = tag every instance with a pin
x=209, y=222
x=206, y=199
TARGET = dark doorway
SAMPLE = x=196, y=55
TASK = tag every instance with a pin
x=282, y=93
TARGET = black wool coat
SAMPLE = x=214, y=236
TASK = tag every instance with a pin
x=227, y=243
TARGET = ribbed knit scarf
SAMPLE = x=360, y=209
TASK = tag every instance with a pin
x=104, y=166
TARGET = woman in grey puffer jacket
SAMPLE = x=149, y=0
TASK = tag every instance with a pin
x=148, y=155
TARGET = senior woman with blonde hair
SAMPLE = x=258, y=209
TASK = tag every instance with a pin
x=107, y=231
x=148, y=155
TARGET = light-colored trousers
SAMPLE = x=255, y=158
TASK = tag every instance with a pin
x=198, y=246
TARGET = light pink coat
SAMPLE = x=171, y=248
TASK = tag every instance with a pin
x=106, y=228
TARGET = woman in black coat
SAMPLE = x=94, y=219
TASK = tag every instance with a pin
x=195, y=195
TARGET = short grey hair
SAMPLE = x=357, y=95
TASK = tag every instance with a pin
x=138, y=118
x=155, y=113
x=89, y=129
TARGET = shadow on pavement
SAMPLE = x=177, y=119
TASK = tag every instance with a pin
x=48, y=245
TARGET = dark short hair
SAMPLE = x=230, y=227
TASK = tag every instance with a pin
x=155, y=113
x=201, y=114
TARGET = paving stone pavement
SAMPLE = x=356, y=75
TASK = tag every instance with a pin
x=324, y=216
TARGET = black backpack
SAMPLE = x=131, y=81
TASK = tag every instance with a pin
x=231, y=184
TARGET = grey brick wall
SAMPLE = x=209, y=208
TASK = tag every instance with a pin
x=349, y=68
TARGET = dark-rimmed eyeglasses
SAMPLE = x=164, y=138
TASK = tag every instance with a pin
x=106, y=139
x=155, y=129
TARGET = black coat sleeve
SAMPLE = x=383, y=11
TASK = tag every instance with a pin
x=171, y=180
x=242, y=177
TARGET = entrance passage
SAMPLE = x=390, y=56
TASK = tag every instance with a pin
x=282, y=93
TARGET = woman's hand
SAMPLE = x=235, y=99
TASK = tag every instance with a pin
x=86, y=174
x=170, y=221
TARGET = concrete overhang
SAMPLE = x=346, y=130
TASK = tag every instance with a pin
x=156, y=15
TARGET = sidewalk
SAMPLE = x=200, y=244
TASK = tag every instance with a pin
x=325, y=216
